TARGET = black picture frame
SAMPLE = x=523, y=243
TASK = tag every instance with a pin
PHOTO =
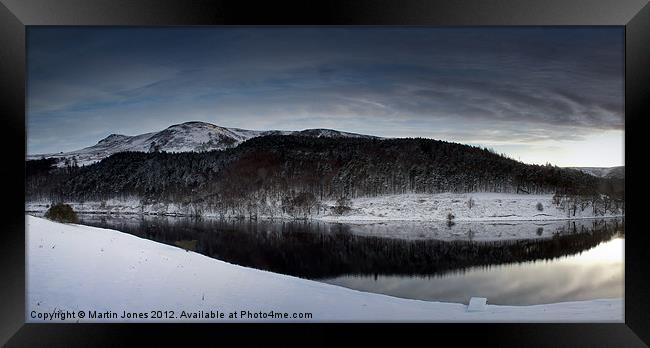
x=15, y=15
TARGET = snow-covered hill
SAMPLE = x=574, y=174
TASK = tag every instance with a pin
x=604, y=172
x=184, y=137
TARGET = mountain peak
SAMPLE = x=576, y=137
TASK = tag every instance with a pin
x=191, y=136
x=112, y=138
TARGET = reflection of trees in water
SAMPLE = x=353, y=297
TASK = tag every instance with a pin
x=316, y=250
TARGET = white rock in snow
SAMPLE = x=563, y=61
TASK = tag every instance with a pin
x=477, y=304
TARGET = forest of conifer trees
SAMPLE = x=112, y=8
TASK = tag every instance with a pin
x=295, y=173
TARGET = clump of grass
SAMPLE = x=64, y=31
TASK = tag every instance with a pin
x=342, y=206
x=450, y=220
x=186, y=244
x=62, y=212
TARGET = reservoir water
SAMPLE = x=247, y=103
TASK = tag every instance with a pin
x=513, y=263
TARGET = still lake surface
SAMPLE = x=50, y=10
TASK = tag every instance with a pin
x=555, y=262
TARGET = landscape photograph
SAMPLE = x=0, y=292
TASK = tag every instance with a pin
x=325, y=174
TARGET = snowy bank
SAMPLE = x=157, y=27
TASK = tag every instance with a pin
x=74, y=268
x=478, y=206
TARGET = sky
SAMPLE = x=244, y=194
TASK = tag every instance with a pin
x=537, y=94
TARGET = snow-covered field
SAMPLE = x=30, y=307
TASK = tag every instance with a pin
x=73, y=268
x=485, y=206
x=403, y=207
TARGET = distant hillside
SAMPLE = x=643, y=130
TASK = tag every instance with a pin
x=297, y=172
x=604, y=172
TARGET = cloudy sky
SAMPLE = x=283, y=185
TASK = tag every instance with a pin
x=537, y=94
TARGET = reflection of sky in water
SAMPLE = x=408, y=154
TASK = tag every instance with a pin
x=381, y=258
x=611, y=251
x=592, y=274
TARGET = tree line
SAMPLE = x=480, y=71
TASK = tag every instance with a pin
x=293, y=174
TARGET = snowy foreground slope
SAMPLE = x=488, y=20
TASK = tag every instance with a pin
x=73, y=268
x=402, y=207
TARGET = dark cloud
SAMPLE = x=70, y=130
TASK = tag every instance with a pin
x=523, y=84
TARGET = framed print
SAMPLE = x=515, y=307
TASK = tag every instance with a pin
x=415, y=169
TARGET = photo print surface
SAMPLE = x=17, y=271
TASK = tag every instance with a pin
x=325, y=174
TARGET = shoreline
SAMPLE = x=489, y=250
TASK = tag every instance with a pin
x=334, y=221
x=115, y=271
x=431, y=208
